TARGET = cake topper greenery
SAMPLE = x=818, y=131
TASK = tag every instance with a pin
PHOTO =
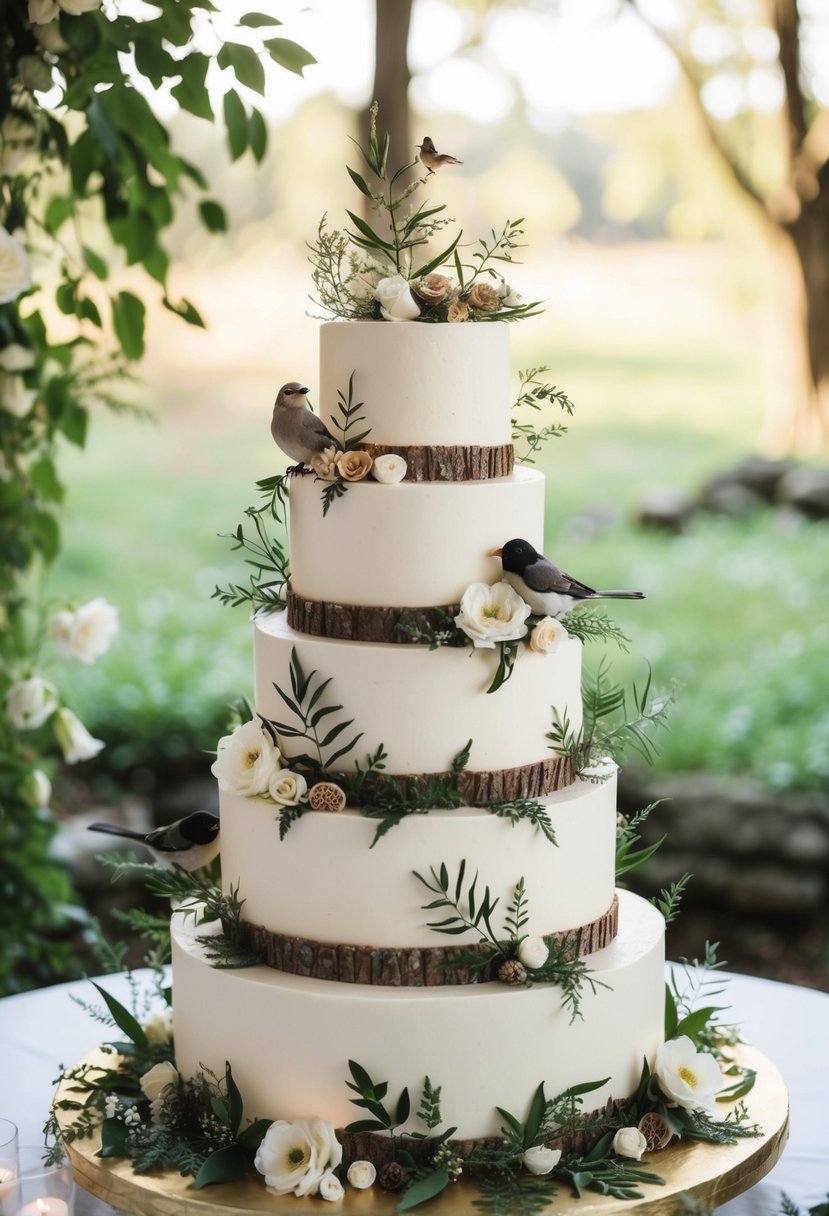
x=383, y=270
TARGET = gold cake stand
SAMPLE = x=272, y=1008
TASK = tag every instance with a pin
x=711, y=1173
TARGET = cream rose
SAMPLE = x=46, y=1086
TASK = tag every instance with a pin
x=354, y=466
x=361, y=1175
x=246, y=760
x=457, y=312
x=389, y=469
x=159, y=1028
x=331, y=1188
x=547, y=635
x=15, y=277
x=15, y=398
x=287, y=788
x=490, y=615
x=541, y=1160
x=484, y=297
x=154, y=1085
x=533, y=953
x=295, y=1157
x=75, y=741
x=30, y=703
x=41, y=11
x=324, y=464
x=86, y=633
x=629, y=1142
x=434, y=288
x=686, y=1076
x=396, y=300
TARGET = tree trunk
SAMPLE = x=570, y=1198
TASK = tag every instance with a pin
x=810, y=236
x=391, y=78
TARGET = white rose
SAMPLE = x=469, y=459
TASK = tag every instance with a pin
x=361, y=1175
x=15, y=277
x=547, y=635
x=15, y=398
x=29, y=703
x=533, y=953
x=87, y=632
x=541, y=1160
x=330, y=1187
x=396, y=300
x=17, y=139
x=629, y=1142
x=41, y=11
x=37, y=789
x=389, y=469
x=75, y=740
x=509, y=297
x=76, y=7
x=287, y=788
x=50, y=37
x=16, y=358
x=159, y=1028
x=686, y=1076
x=295, y=1157
x=492, y=614
x=154, y=1083
x=246, y=760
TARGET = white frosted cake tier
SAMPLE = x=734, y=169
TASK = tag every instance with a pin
x=325, y=882
x=411, y=544
x=422, y=705
x=288, y=1039
x=419, y=383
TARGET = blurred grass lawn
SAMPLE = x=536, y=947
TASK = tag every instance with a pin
x=658, y=348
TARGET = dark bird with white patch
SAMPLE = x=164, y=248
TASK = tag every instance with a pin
x=296, y=429
x=542, y=585
x=191, y=842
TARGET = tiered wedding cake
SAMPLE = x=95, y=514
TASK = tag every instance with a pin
x=354, y=971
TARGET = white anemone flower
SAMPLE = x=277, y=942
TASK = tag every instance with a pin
x=490, y=615
x=690, y=1078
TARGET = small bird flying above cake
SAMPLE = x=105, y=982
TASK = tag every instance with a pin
x=542, y=585
x=433, y=159
x=296, y=429
x=191, y=842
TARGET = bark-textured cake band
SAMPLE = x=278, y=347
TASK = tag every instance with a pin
x=358, y=623
x=457, y=462
x=415, y=967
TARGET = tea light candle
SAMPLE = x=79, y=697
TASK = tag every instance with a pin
x=48, y=1206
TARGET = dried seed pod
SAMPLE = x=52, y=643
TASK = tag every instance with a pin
x=392, y=1176
x=512, y=971
x=326, y=796
x=656, y=1131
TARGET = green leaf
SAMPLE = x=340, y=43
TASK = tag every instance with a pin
x=359, y=182
x=251, y=1136
x=246, y=65
x=73, y=422
x=423, y=1189
x=57, y=212
x=213, y=215
x=102, y=129
x=534, y=1116
x=95, y=263
x=289, y=55
x=128, y=313
x=234, y=1100
x=191, y=91
x=114, y=1134
x=46, y=531
x=671, y=1014
x=367, y=1125
x=257, y=135
x=255, y=21
x=225, y=1165
x=236, y=122
x=403, y=1108
x=152, y=60
x=696, y=1021
x=123, y=1018
x=184, y=309
x=368, y=232
x=44, y=478
x=136, y=232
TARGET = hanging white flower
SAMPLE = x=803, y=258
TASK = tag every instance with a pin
x=30, y=703
x=541, y=1160
x=686, y=1076
x=41, y=11
x=287, y=788
x=50, y=38
x=629, y=1142
x=533, y=953
x=246, y=760
x=16, y=358
x=295, y=1157
x=15, y=276
x=547, y=635
x=15, y=398
x=490, y=615
x=389, y=469
x=86, y=633
x=37, y=790
x=396, y=300
x=75, y=741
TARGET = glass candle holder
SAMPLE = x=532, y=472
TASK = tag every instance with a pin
x=43, y=1190
x=9, y=1168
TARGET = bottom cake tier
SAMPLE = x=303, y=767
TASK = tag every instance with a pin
x=289, y=1038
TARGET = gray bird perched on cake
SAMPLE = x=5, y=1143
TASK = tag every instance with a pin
x=542, y=585
x=191, y=842
x=296, y=429
x=433, y=159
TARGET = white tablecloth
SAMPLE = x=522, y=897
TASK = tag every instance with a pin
x=42, y=1030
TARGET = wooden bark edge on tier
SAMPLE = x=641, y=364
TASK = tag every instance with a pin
x=362, y=623
x=455, y=462
x=408, y=967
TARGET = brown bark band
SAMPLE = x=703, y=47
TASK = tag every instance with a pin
x=414, y=967
x=455, y=462
x=359, y=623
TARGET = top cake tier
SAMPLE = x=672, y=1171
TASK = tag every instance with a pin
x=422, y=384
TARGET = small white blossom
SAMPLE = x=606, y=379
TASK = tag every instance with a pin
x=396, y=300
x=361, y=1175
x=110, y=1106
x=15, y=276
x=287, y=788
x=86, y=633
x=490, y=615
x=533, y=953
x=389, y=469
x=541, y=1160
x=159, y=1028
x=547, y=635
x=16, y=358
x=75, y=740
x=30, y=703
x=629, y=1142
x=688, y=1077
x=246, y=760
x=15, y=398
x=330, y=1187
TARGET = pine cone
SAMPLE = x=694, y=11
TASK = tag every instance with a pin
x=512, y=972
x=391, y=1176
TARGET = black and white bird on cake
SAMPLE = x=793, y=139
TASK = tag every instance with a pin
x=542, y=585
x=191, y=842
x=296, y=429
x=432, y=159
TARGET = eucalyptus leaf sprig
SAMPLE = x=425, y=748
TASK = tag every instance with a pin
x=534, y=394
x=268, y=555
